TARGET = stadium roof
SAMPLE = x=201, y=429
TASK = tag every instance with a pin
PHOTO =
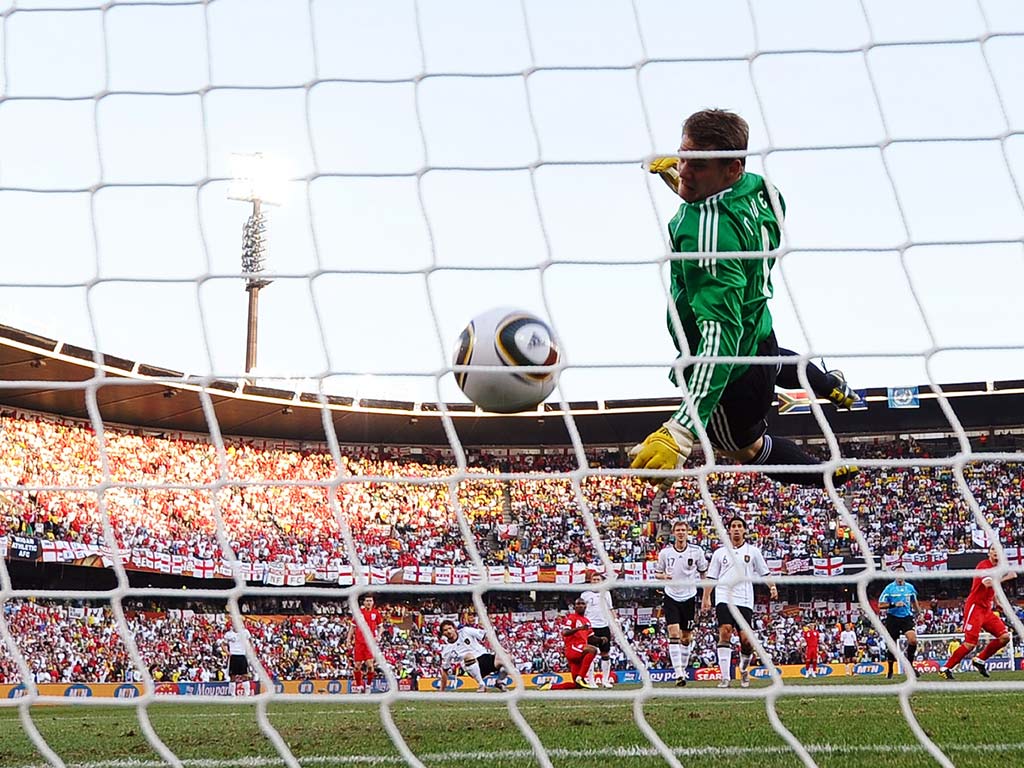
x=49, y=376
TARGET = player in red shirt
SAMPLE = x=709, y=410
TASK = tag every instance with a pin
x=811, y=638
x=362, y=657
x=978, y=616
x=578, y=652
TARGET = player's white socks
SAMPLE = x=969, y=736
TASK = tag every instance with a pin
x=725, y=662
x=685, y=649
x=474, y=671
x=606, y=669
x=675, y=653
x=744, y=661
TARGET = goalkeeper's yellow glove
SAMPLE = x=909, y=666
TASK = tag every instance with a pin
x=667, y=168
x=667, y=448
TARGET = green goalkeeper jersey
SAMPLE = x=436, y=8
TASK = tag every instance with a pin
x=722, y=302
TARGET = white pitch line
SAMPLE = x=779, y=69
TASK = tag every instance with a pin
x=525, y=754
x=293, y=709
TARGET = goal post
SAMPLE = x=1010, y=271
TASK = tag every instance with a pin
x=934, y=649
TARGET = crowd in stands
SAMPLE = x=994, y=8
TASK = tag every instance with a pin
x=294, y=504
x=64, y=642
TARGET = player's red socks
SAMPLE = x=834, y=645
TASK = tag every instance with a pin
x=988, y=650
x=370, y=673
x=357, y=676
x=958, y=655
x=588, y=659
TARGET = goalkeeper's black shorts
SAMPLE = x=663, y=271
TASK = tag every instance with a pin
x=740, y=418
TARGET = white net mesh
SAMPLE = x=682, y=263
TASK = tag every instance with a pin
x=450, y=156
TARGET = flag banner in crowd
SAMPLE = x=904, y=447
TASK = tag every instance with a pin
x=48, y=550
x=335, y=571
x=904, y=397
x=274, y=575
x=933, y=561
x=1015, y=557
x=798, y=565
x=793, y=402
x=248, y=570
x=23, y=548
x=295, y=574
x=527, y=616
x=937, y=560
x=979, y=538
x=828, y=566
x=65, y=553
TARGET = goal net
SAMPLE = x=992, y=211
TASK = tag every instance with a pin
x=209, y=459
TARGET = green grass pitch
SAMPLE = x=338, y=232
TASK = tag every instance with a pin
x=974, y=729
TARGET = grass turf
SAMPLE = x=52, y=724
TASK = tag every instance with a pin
x=974, y=728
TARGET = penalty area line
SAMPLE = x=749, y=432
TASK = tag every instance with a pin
x=525, y=754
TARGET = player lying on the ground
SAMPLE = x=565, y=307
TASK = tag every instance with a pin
x=978, y=616
x=720, y=303
x=578, y=650
x=463, y=647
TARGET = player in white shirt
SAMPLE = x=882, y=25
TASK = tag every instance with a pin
x=686, y=562
x=238, y=663
x=737, y=562
x=463, y=647
x=848, y=639
x=599, y=611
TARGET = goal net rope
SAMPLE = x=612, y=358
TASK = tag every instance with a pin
x=125, y=114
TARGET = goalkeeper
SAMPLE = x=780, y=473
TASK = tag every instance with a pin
x=723, y=310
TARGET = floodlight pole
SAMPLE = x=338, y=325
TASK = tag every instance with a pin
x=254, y=249
x=255, y=180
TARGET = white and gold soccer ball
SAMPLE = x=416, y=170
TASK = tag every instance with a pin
x=508, y=339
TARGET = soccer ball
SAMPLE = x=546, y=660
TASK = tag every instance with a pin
x=510, y=338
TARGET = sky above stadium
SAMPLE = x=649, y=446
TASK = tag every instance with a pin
x=452, y=156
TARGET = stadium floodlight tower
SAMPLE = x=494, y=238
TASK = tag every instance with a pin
x=259, y=179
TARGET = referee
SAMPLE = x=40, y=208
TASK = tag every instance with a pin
x=899, y=601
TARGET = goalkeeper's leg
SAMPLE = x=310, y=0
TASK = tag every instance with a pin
x=738, y=426
x=831, y=385
x=780, y=450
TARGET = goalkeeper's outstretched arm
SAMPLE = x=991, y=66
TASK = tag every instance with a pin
x=668, y=169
